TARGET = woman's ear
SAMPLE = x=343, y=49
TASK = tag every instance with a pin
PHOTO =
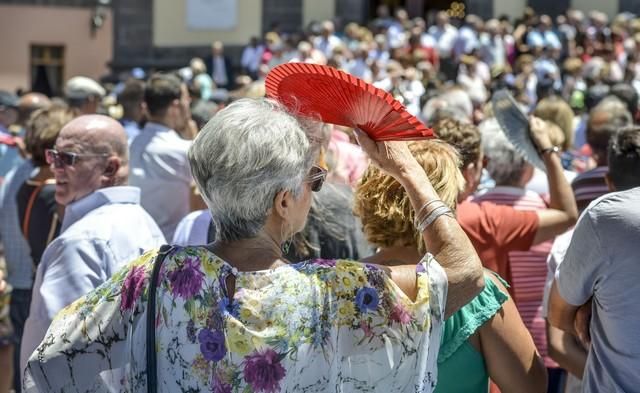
x=282, y=204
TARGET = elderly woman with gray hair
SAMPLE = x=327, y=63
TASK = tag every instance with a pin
x=235, y=316
x=511, y=173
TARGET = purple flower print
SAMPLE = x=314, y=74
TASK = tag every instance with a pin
x=367, y=299
x=212, y=345
x=325, y=262
x=219, y=386
x=187, y=280
x=263, y=371
x=132, y=288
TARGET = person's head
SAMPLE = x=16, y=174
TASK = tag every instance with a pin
x=8, y=108
x=217, y=48
x=132, y=100
x=442, y=18
x=167, y=100
x=42, y=131
x=454, y=103
x=90, y=153
x=197, y=66
x=29, y=103
x=83, y=95
x=555, y=110
x=506, y=166
x=254, y=166
x=605, y=119
x=384, y=206
x=628, y=95
x=327, y=28
x=624, y=159
x=465, y=137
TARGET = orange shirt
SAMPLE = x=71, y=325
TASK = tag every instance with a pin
x=496, y=230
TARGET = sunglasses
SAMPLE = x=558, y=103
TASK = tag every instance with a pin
x=317, y=176
x=60, y=159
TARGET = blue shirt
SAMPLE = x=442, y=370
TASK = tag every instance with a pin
x=100, y=233
x=131, y=128
x=16, y=249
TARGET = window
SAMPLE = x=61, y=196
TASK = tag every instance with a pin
x=47, y=69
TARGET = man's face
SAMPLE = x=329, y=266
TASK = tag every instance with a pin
x=74, y=182
x=8, y=116
x=183, y=110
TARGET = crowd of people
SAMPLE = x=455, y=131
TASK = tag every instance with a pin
x=308, y=257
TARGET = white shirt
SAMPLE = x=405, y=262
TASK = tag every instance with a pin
x=193, y=229
x=326, y=45
x=100, y=233
x=251, y=57
x=445, y=38
x=159, y=166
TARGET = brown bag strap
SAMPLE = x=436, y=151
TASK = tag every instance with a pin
x=32, y=199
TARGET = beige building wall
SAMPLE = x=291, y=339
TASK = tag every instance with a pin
x=21, y=26
x=609, y=7
x=317, y=10
x=512, y=8
x=170, y=25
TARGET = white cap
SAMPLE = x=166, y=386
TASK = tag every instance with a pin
x=81, y=87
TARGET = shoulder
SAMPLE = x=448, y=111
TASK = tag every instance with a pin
x=466, y=321
x=616, y=206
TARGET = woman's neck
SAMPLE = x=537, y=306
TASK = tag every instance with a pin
x=394, y=256
x=257, y=253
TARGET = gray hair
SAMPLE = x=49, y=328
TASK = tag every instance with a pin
x=453, y=104
x=244, y=156
x=505, y=165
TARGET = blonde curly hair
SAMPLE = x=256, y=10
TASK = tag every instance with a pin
x=384, y=207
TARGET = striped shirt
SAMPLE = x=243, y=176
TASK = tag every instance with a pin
x=589, y=186
x=528, y=268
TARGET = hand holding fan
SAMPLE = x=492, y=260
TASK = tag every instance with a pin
x=515, y=126
x=342, y=99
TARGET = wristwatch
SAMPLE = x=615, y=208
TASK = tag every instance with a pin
x=552, y=149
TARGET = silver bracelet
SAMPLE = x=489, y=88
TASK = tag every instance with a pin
x=435, y=213
x=416, y=219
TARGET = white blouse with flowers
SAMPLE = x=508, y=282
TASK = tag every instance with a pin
x=315, y=326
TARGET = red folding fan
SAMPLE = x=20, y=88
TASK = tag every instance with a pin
x=339, y=98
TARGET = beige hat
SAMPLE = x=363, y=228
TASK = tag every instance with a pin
x=80, y=87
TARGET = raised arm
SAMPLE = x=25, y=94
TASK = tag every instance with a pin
x=563, y=212
x=444, y=238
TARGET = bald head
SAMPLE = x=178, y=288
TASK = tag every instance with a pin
x=98, y=134
x=30, y=103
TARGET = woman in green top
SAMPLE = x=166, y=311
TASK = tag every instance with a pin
x=486, y=339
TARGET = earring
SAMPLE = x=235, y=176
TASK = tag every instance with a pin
x=286, y=243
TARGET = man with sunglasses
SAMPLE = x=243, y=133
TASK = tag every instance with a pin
x=104, y=225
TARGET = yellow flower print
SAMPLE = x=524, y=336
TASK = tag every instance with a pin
x=211, y=266
x=346, y=284
x=345, y=312
x=423, y=289
x=347, y=267
x=238, y=338
x=70, y=309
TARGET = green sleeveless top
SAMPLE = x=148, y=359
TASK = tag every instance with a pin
x=461, y=367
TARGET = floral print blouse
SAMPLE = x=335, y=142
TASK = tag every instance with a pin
x=315, y=326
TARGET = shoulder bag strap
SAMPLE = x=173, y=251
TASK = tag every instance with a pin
x=27, y=214
x=152, y=372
